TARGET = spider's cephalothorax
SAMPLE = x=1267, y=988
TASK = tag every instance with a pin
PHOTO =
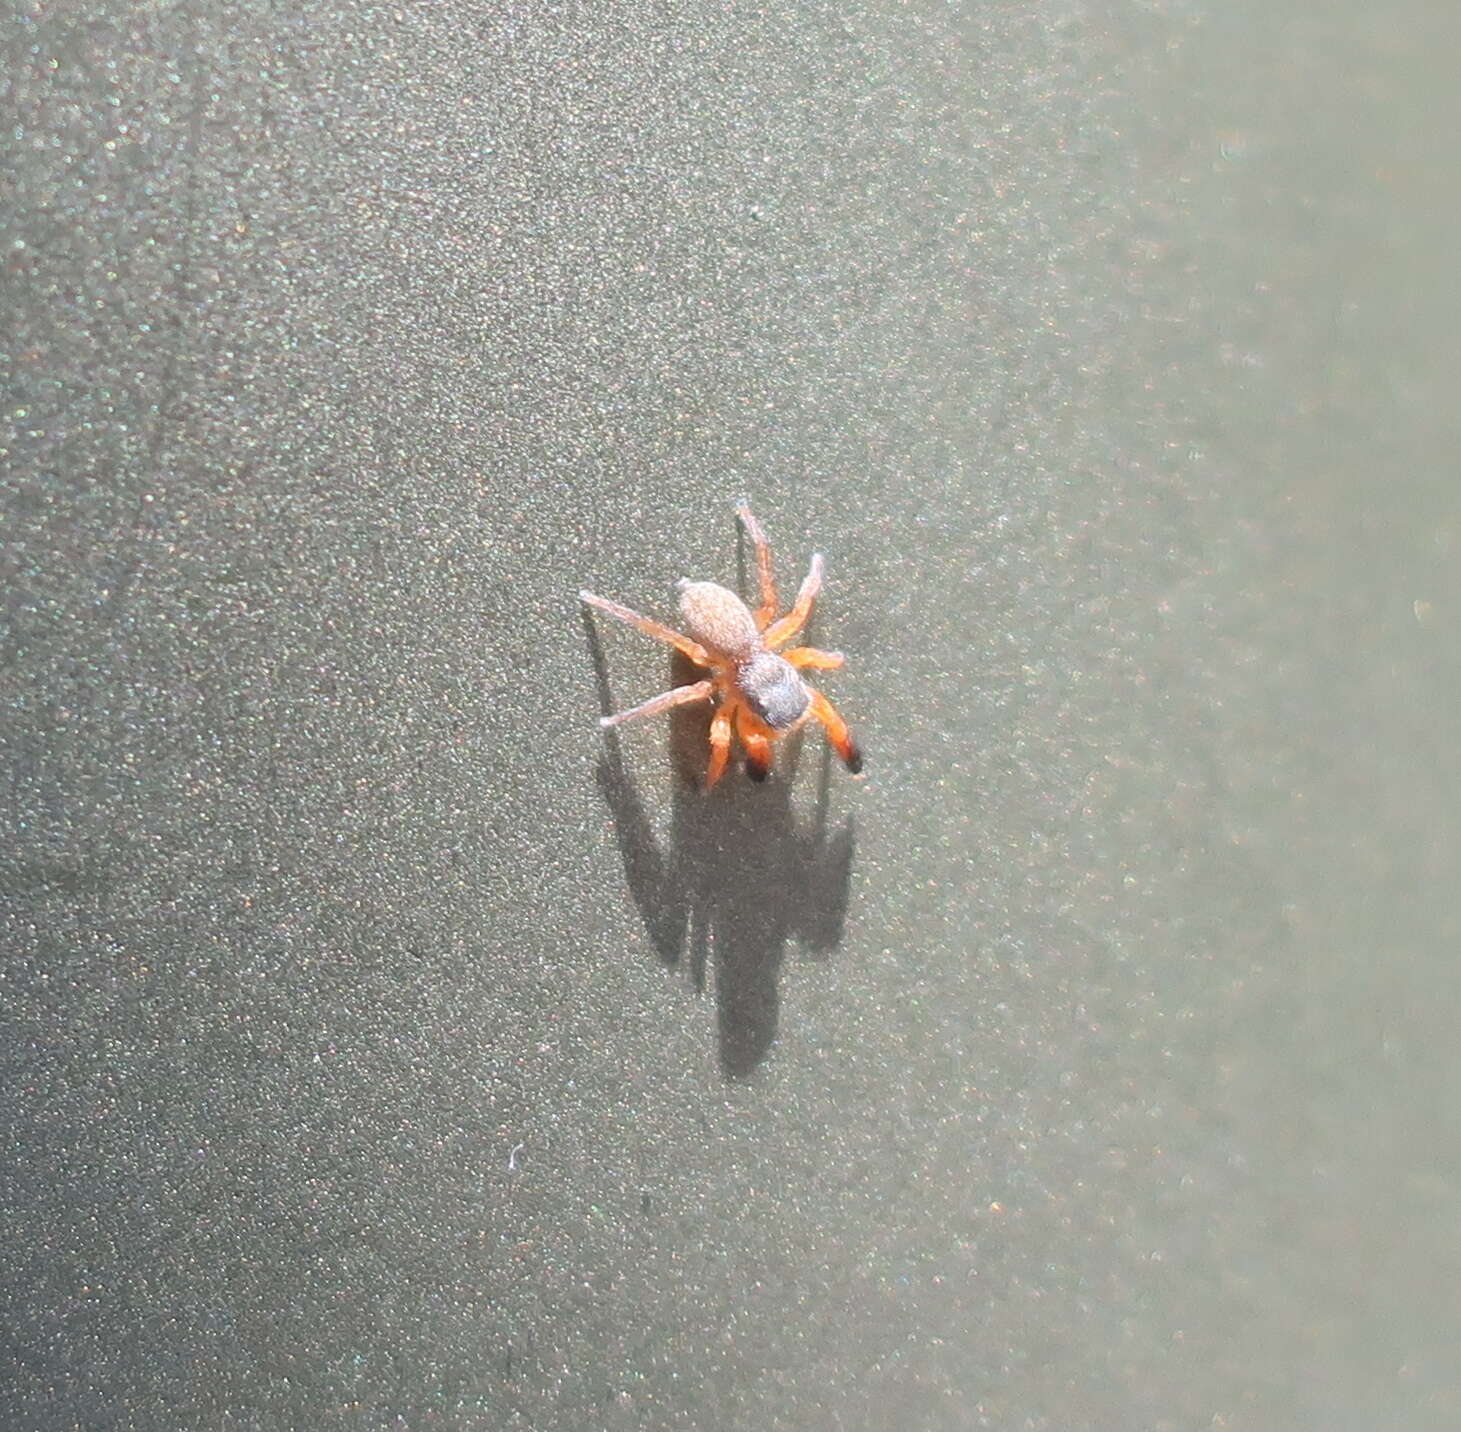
x=772, y=689
x=758, y=691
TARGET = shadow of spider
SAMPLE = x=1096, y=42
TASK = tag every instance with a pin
x=738, y=877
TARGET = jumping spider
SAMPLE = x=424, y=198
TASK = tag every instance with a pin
x=757, y=691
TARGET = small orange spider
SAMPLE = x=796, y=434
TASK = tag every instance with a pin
x=757, y=691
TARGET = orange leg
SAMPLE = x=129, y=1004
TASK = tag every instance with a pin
x=700, y=691
x=720, y=741
x=837, y=732
x=692, y=649
x=796, y=618
x=758, y=754
x=810, y=656
x=764, y=579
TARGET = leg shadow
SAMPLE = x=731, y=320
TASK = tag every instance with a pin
x=738, y=877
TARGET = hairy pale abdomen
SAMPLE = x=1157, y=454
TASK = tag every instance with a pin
x=718, y=619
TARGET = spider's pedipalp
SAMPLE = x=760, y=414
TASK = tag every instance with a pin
x=764, y=579
x=649, y=627
x=720, y=742
x=837, y=732
x=758, y=754
x=679, y=696
x=796, y=618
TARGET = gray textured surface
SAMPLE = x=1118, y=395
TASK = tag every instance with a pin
x=382, y=1049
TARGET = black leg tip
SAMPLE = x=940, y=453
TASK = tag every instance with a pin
x=757, y=771
x=853, y=760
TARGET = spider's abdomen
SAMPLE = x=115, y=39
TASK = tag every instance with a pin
x=773, y=690
x=718, y=619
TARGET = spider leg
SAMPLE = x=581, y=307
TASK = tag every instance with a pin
x=837, y=732
x=812, y=657
x=758, y=751
x=796, y=618
x=699, y=691
x=720, y=740
x=658, y=631
x=764, y=579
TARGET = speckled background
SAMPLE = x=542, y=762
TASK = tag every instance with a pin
x=383, y=1048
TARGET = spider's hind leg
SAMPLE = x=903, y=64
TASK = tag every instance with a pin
x=796, y=618
x=813, y=657
x=650, y=627
x=764, y=579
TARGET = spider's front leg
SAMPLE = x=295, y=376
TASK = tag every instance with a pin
x=837, y=732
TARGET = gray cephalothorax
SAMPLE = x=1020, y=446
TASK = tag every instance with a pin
x=773, y=690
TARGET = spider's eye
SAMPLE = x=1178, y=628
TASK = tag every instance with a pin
x=774, y=691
